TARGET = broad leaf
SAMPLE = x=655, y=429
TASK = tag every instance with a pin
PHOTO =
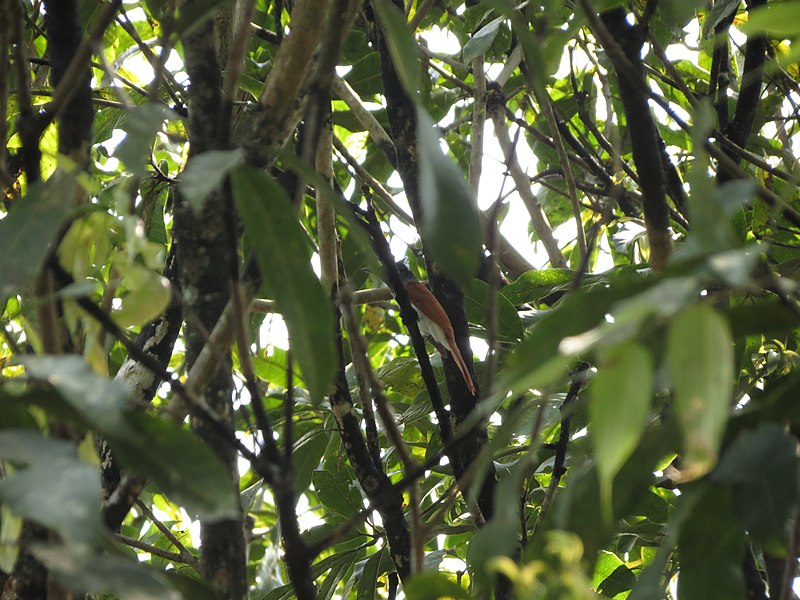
x=431, y=586
x=762, y=466
x=779, y=18
x=338, y=492
x=402, y=46
x=480, y=43
x=711, y=549
x=193, y=475
x=281, y=249
x=533, y=285
x=56, y=489
x=476, y=303
x=700, y=360
x=718, y=13
x=142, y=125
x=450, y=225
x=27, y=232
x=205, y=172
x=97, y=574
x=620, y=399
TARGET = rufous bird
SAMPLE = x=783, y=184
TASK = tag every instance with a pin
x=433, y=321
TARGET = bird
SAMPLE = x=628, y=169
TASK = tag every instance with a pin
x=433, y=321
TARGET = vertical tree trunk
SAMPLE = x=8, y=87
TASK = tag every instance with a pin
x=204, y=256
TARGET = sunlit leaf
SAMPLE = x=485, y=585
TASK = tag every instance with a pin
x=780, y=18
x=533, y=285
x=431, y=586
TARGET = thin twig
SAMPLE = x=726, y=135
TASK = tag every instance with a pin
x=183, y=553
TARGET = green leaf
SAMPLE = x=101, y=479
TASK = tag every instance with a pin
x=432, y=586
x=537, y=361
x=402, y=375
x=778, y=18
x=611, y=575
x=479, y=43
x=500, y=535
x=306, y=456
x=56, y=489
x=476, y=303
x=450, y=225
x=402, y=46
x=762, y=465
x=142, y=125
x=700, y=360
x=27, y=232
x=281, y=249
x=719, y=12
x=96, y=574
x=618, y=407
x=370, y=570
x=533, y=285
x=340, y=568
x=204, y=172
x=338, y=492
x=193, y=475
x=711, y=549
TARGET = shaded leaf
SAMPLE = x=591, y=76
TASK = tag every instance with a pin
x=402, y=46
x=479, y=43
x=56, y=489
x=281, y=249
x=27, y=232
x=204, y=172
x=620, y=399
x=711, y=549
x=719, y=12
x=97, y=574
x=306, y=456
x=450, y=225
x=142, y=125
x=509, y=325
x=371, y=569
x=193, y=475
x=762, y=465
x=338, y=491
x=700, y=360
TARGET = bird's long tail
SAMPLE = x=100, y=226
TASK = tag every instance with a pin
x=462, y=366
